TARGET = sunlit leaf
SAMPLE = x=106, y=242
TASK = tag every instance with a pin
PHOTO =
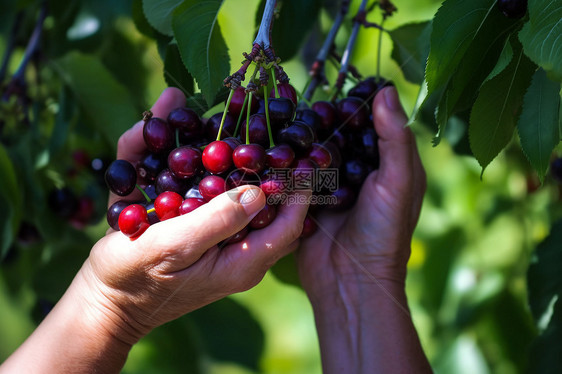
x=201, y=44
x=539, y=121
x=159, y=14
x=411, y=48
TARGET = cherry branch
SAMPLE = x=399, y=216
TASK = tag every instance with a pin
x=317, y=72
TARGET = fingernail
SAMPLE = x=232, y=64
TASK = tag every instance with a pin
x=251, y=201
x=391, y=99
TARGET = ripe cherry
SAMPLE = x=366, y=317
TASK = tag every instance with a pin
x=113, y=213
x=321, y=155
x=158, y=135
x=167, y=181
x=238, y=237
x=513, y=8
x=237, y=101
x=211, y=186
x=298, y=135
x=258, y=130
x=328, y=115
x=185, y=162
x=133, y=221
x=249, y=157
x=217, y=157
x=186, y=121
x=280, y=157
x=281, y=110
x=121, y=177
x=190, y=204
x=150, y=166
x=285, y=90
x=264, y=217
x=214, y=123
x=353, y=113
x=167, y=205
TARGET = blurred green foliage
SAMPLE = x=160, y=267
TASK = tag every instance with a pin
x=102, y=63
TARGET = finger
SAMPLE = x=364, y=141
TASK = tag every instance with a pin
x=396, y=142
x=179, y=242
x=419, y=186
x=263, y=248
x=131, y=144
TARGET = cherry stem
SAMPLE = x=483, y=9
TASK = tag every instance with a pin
x=224, y=114
x=271, y=143
x=240, y=116
x=148, y=200
x=379, y=50
x=177, y=138
x=248, y=118
x=151, y=210
x=275, y=84
x=346, y=57
x=263, y=38
x=317, y=70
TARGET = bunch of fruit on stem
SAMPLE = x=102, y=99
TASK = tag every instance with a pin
x=262, y=140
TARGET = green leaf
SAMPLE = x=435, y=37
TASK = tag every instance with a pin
x=479, y=60
x=201, y=44
x=10, y=195
x=159, y=14
x=545, y=293
x=230, y=333
x=454, y=27
x=497, y=108
x=541, y=36
x=292, y=24
x=411, y=48
x=538, y=124
x=175, y=73
x=104, y=101
x=503, y=61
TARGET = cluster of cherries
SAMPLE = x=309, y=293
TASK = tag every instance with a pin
x=191, y=160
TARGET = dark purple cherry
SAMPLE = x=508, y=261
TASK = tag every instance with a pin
x=217, y=157
x=285, y=90
x=186, y=121
x=185, y=162
x=193, y=193
x=214, y=123
x=264, y=217
x=237, y=101
x=281, y=111
x=298, y=135
x=320, y=155
x=336, y=155
x=211, y=186
x=258, y=130
x=367, y=89
x=369, y=146
x=158, y=135
x=150, y=166
x=249, y=157
x=344, y=198
x=556, y=169
x=353, y=113
x=328, y=116
x=113, y=213
x=310, y=117
x=232, y=142
x=150, y=191
x=121, y=177
x=280, y=156
x=152, y=216
x=303, y=173
x=167, y=181
x=355, y=172
x=513, y=8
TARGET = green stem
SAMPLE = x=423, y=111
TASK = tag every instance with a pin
x=177, y=138
x=152, y=210
x=302, y=98
x=240, y=116
x=224, y=114
x=271, y=143
x=248, y=110
x=148, y=200
x=379, y=50
x=275, y=83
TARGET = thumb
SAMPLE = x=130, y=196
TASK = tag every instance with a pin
x=396, y=141
x=182, y=240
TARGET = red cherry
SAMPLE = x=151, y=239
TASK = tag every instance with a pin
x=285, y=90
x=190, y=204
x=264, y=217
x=185, y=162
x=321, y=155
x=217, y=157
x=211, y=186
x=133, y=221
x=249, y=157
x=237, y=102
x=167, y=205
x=239, y=236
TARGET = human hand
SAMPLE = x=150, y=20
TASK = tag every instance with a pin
x=176, y=265
x=371, y=242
